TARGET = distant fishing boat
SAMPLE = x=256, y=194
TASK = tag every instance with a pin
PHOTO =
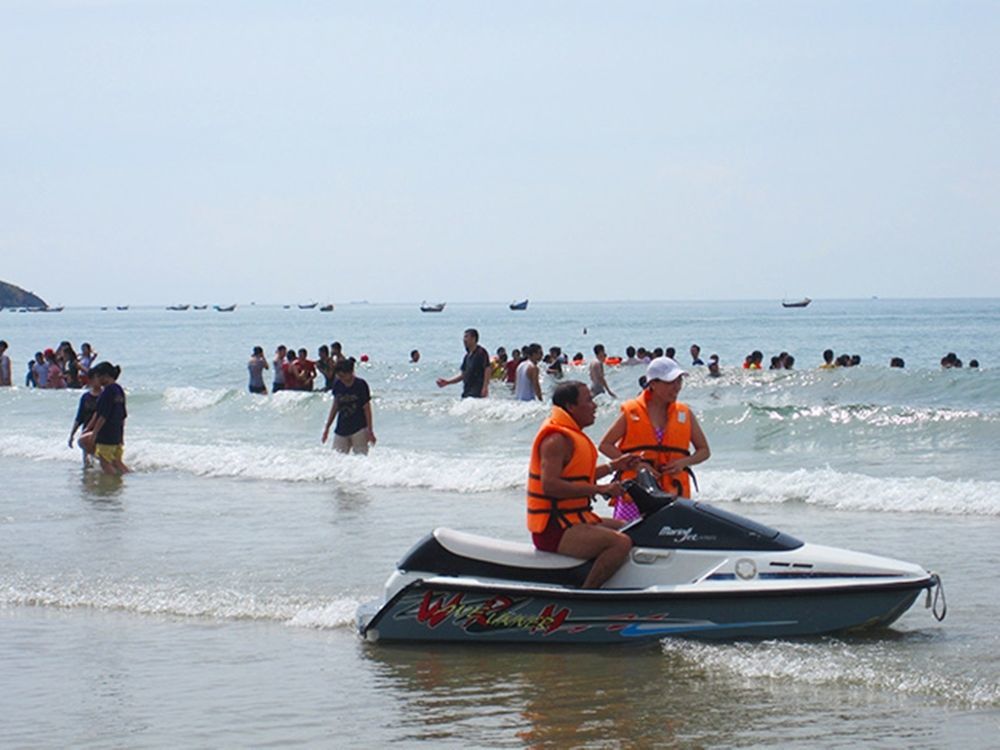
x=178, y=308
x=201, y=307
x=429, y=307
x=309, y=306
x=121, y=307
x=522, y=305
x=52, y=309
x=326, y=308
x=224, y=308
x=804, y=302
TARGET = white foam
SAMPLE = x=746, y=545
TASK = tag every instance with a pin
x=864, y=414
x=845, y=491
x=189, y=398
x=386, y=467
x=335, y=614
x=492, y=410
x=167, y=599
x=392, y=467
x=831, y=662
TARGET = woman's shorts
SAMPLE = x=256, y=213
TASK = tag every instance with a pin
x=109, y=453
x=358, y=442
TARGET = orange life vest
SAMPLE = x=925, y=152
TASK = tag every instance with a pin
x=581, y=467
x=640, y=438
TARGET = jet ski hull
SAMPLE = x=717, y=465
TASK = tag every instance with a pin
x=694, y=571
x=455, y=609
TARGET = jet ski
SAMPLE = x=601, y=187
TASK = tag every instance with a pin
x=694, y=571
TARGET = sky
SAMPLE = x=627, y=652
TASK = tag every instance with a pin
x=165, y=151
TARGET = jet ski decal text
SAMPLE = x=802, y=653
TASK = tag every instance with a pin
x=495, y=613
x=685, y=535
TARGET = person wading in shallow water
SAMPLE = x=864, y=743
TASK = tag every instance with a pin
x=474, y=375
x=352, y=406
x=105, y=435
x=562, y=481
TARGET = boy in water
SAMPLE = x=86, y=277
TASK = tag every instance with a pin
x=353, y=409
x=84, y=412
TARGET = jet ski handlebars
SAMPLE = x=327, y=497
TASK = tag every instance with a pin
x=646, y=493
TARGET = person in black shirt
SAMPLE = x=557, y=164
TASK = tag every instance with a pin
x=474, y=375
x=353, y=409
x=86, y=410
x=105, y=434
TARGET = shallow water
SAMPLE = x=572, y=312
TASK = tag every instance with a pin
x=208, y=598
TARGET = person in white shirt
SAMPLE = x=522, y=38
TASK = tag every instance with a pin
x=527, y=383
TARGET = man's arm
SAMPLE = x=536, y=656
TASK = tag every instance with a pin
x=371, y=426
x=329, y=420
x=442, y=382
x=555, y=452
x=535, y=381
x=604, y=380
x=485, y=357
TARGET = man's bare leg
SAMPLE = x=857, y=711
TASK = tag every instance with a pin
x=598, y=542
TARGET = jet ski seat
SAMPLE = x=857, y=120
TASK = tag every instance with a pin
x=455, y=553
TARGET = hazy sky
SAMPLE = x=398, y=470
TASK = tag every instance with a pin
x=215, y=151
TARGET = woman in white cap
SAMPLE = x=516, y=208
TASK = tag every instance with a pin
x=661, y=430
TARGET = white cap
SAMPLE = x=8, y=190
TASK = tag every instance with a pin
x=665, y=369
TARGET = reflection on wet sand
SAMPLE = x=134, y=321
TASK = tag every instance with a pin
x=566, y=697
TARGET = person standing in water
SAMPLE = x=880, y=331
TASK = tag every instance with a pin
x=256, y=367
x=598, y=382
x=87, y=357
x=474, y=375
x=279, y=369
x=84, y=413
x=659, y=430
x=4, y=366
x=353, y=409
x=105, y=435
x=527, y=379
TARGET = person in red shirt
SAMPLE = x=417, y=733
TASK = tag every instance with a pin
x=290, y=369
x=307, y=371
x=510, y=375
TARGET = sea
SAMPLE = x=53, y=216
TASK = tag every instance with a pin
x=207, y=599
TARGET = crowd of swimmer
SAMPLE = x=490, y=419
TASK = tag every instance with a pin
x=60, y=367
x=295, y=371
x=100, y=414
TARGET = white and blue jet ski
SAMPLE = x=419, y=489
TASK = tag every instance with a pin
x=694, y=571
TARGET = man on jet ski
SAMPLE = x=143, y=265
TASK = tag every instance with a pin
x=562, y=480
